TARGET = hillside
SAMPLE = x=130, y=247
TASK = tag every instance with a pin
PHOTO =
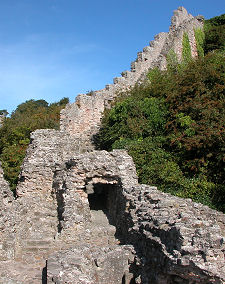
x=173, y=124
x=173, y=120
x=16, y=129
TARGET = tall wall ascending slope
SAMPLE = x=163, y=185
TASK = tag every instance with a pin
x=83, y=117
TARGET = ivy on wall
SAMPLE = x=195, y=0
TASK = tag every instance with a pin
x=186, y=49
x=200, y=38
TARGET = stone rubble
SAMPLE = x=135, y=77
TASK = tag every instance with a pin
x=80, y=215
x=175, y=240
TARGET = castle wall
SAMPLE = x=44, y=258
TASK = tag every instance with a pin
x=174, y=240
x=83, y=117
x=6, y=220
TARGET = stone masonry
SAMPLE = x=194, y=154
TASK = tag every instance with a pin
x=85, y=114
x=172, y=240
x=80, y=215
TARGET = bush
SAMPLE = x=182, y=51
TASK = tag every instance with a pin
x=215, y=34
x=15, y=132
x=174, y=129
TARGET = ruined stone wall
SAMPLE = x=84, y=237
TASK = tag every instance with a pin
x=2, y=117
x=29, y=224
x=48, y=147
x=158, y=237
x=176, y=240
x=83, y=117
x=74, y=180
x=173, y=240
x=6, y=221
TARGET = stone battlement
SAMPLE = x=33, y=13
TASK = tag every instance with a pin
x=83, y=117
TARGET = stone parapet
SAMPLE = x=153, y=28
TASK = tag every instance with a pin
x=174, y=240
x=83, y=117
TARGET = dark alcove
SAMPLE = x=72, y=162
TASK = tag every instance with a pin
x=98, y=200
x=104, y=198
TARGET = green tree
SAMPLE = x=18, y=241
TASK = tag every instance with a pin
x=16, y=129
x=214, y=34
x=174, y=128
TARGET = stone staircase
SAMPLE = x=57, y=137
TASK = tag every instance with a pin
x=30, y=267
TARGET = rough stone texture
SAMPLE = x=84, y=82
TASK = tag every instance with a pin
x=83, y=117
x=2, y=118
x=172, y=240
x=75, y=179
x=6, y=236
x=6, y=194
x=80, y=215
x=175, y=240
x=89, y=265
x=47, y=148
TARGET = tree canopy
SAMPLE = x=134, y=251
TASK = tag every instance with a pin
x=16, y=129
x=173, y=125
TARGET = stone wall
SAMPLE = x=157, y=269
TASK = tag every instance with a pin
x=176, y=240
x=2, y=117
x=158, y=237
x=172, y=240
x=6, y=221
x=47, y=148
x=83, y=117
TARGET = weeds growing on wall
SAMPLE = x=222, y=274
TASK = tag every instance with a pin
x=200, y=38
x=186, y=49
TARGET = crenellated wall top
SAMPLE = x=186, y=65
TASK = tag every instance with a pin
x=83, y=117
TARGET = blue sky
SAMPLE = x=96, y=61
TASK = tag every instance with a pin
x=50, y=49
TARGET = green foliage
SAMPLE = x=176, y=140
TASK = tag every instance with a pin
x=216, y=21
x=200, y=39
x=186, y=124
x=15, y=132
x=186, y=49
x=172, y=61
x=214, y=34
x=12, y=157
x=134, y=120
x=174, y=128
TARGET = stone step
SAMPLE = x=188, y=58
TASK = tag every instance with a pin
x=39, y=243
x=37, y=249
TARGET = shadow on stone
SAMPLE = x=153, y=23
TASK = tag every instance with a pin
x=44, y=275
